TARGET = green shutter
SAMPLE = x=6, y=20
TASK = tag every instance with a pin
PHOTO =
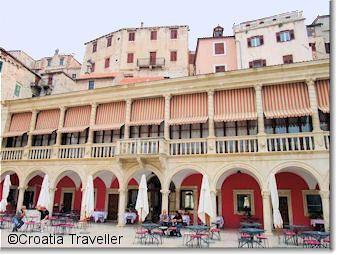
x=17, y=90
x=0, y=66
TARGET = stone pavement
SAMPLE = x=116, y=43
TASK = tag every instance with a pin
x=108, y=236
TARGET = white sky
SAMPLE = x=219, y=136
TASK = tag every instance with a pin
x=38, y=27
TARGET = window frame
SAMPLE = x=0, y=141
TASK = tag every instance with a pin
x=107, y=62
x=91, y=84
x=131, y=36
x=130, y=58
x=249, y=192
x=173, y=56
x=17, y=89
x=305, y=193
x=94, y=47
x=214, y=49
x=109, y=41
x=173, y=33
x=153, y=35
x=215, y=67
x=288, y=59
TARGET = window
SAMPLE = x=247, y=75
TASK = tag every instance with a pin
x=324, y=119
x=173, y=56
x=255, y=41
x=17, y=89
x=130, y=58
x=174, y=33
x=327, y=48
x=107, y=62
x=132, y=36
x=91, y=85
x=187, y=201
x=220, y=68
x=244, y=202
x=313, y=204
x=153, y=35
x=108, y=41
x=61, y=61
x=153, y=57
x=93, y=67
x=73, y=76
x=50, y=80
x=285, y=36
x=94, y=47
x=0, y=66
x=49, y=62
x=257, y=63
x=219, y=48
x=312, y=46
x=288, y=59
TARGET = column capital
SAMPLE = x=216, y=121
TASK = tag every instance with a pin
x=213, y=192
x=22, y=188
x=258, y=87
x=310, y=81
x=35, y=111
x=167, y=96
x=63, y=108
x=128, y=101
x=94, y=105
x=265, y=193
x=324, y=194
x=121, y=190
x=165, y=191
x=210, y=92
x=53, y=189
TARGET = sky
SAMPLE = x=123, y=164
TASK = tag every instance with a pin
x=38, y=27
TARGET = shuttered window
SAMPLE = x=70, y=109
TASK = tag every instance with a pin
x=130, y=58
x=285, y=36
x=288, y=59
x=132, y=36
x=174, y=33
x=219, y=48
x=173, y=56
x=94, y=47
x=108, y=41
x=255, y=41
x=107, y=62
x=153, y=35
x=257, y=63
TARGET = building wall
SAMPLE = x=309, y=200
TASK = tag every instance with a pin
x=320, y=36
x=206, y=59
x=141, y=47
x=273, y=51
x=23, y=57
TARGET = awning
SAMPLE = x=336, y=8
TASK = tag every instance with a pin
x=110, y=116
x=286, y=100
x=115, y=126
x=76, y=119
x=73, y=129
x=235, y=105
x=147, y=111
x=189, y=109
x=323, y=95
x=43, y=131
x=47, y=122
x=20, y=124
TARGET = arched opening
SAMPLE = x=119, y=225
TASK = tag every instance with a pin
x=106, y=196
x=32, y=191
x=12, y=198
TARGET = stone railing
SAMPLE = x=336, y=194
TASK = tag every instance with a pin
x=236, y=144
x=194, y=146
x=177, y=147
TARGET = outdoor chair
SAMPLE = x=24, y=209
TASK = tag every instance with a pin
x=263, y=240
x=140, y=235
x=215, y=232
x=289, y=237
x=244, y=240
x=311, y=243
x=158, y=233
x=326, y=242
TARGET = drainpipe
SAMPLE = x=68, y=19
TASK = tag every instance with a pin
x=238, y=42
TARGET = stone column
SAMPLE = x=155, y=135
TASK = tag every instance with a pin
x=267, y=212
x=121, y=206
x=60, y=126
x=177, y=198
x=164, y=199
x=32, y=127
x=20, y=197
x=167, y=117
x=262, y=141
x=7, y=121
x=51, y=198
x=211, y=133
x=92, y=122
x=316, y=129
x=219, y=202
x=325, y=196
x=127, y=119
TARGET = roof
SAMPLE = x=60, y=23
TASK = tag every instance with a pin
x=30, y=70
x=320, y=17
x=134, y=28
x=97, y=76
x=130, y=80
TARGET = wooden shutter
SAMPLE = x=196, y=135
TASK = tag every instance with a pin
x=251, y=64
x=261, y=40
x=219, y=48
x=109, y=40
x=93, y=67
x=130, y=58
x=107, y=62
x=248, y=42
x=153, y=35
x=292, y=34
x=264, y=62
x=173, y=56
x=278, y=38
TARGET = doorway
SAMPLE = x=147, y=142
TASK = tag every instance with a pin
x=154, y=194
x=28, y=199
x=113, y=207
x=284, y=209
x=67, y=201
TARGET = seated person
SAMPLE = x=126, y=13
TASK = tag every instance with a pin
x=178, y=220
x=164, y=218
x=44, y=216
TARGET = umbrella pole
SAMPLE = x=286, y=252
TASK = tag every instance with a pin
x=207, y=220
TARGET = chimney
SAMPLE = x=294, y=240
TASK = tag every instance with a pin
x=142, y=24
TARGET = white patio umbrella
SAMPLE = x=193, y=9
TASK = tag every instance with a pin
x=44, y=197
x=142, y=203
x=277, y=218
x=5, y=192
x=205, y=209
x=89, y=206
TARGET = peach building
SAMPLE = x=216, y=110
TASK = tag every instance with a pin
x=215, y=54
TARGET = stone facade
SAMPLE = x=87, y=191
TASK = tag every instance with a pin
x=319, y=37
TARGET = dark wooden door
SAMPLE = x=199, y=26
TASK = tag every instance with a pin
x=153, y=56
x=28, y=199
x=67, y=201
x=113, y=207
x=283, y=206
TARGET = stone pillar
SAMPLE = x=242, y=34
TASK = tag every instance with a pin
x=211, y=142
x=127, y=119
x=325, y=196
x=316, y=129
x=196, y=205
x=177, y=198
x=219, y=202
x=121, y=206
x=60, y=126
x=214, y=205
x=267, y=212
x=20, y=197
x=92, y=122
x=164, y=199
x=262, y=141
x=7, y=121
x=167, y=117
x=51, y=198
x=32, y=127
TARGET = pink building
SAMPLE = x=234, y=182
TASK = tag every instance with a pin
x=216, y=53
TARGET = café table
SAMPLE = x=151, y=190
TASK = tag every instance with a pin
x=2, y=220
x=250, y=224
x=297, y=229
x=252, y=232
x=150, y=235
x=317, y=235
x=199, y=233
